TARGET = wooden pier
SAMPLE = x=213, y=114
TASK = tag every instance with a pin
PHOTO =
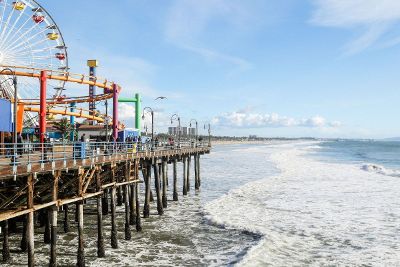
x=38, y=189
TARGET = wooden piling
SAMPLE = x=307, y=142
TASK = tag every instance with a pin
x=164, y=183
x=189, y=159
x=24, y=244
x=196, y=172
x=47, y=235
x=76, y=212
x=81, y=244
x=128, y=235
x=145, y=173
x=66, y=222
x=158, y=191
x=104, y=201
x=30, y=222
x=6, y=246
x=175, y=183
x=114, y=233
x=138, y=220
x=132, y=200
x=146, y=208
x=54, y=213
x=184, y=160
x=100, y=238
x=119, y=196
x=125, y=188
x=132, y=205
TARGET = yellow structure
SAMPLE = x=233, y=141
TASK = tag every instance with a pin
x=92, y=63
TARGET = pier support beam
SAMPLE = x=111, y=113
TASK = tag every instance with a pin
x=100, y=237
x=54, y=212
x=114, y=240
x=196, y=172
x=128, y=235
x=79, y=206
x=24, y=243
x=175, y=183
x=47, y=235
x=145, y=174
x=138, y=221
x=132, y=205
x=184, y=160
x=104, y=201
x=164, y=183
x=147, y=178
x=6, y=246
x=81, y=244
x=66, y=222
x=119, y=196
x=53, y=248
x=189, y=159
x=158, y=191
x=30, y=222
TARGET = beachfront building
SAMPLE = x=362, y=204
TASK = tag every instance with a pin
x=185, y=131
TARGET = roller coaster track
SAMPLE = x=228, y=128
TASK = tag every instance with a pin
x=29, y=104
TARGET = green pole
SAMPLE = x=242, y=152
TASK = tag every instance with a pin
x=138, y=111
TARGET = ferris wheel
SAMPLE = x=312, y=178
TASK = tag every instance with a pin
x=29, y=37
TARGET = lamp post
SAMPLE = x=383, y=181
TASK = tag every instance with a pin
x=149, y=109
x=209, y=133
x=15, y=83
x=196, y=133
x=176, y=117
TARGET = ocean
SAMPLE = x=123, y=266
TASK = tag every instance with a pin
x=303, y=203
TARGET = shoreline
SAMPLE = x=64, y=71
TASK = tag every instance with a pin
x=236, y=142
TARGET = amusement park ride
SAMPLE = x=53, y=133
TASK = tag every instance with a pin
x=33, y=51
x=39, y=179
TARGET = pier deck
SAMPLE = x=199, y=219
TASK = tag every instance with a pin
x=45, y=179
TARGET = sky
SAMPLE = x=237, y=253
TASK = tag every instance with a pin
x=292, y=68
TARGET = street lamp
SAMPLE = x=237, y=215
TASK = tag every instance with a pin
x=209, y=133
x=15, y=83
x=149, y=109
x=176, y=117
x=196, y=133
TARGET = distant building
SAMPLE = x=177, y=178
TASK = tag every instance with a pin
x=174, y=131
x=192, y=131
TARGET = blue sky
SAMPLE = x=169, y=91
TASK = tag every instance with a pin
x=323, y=68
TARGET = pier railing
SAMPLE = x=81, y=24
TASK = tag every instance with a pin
x=64, y=155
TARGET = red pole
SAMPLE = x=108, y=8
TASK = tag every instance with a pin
x=116, y=90
x=43, y=108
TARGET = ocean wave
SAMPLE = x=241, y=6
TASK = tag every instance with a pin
x=375, y=168
x=314, y=213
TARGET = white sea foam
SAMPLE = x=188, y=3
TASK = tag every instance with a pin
x=315, y=213
x=380, y=169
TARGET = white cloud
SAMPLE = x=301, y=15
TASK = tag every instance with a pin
x=258, y=120
x=374, y=17
x=188, y=19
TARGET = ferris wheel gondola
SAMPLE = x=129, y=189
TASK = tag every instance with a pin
x=30, y=37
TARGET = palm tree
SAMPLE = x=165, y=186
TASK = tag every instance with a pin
x=64, y=126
